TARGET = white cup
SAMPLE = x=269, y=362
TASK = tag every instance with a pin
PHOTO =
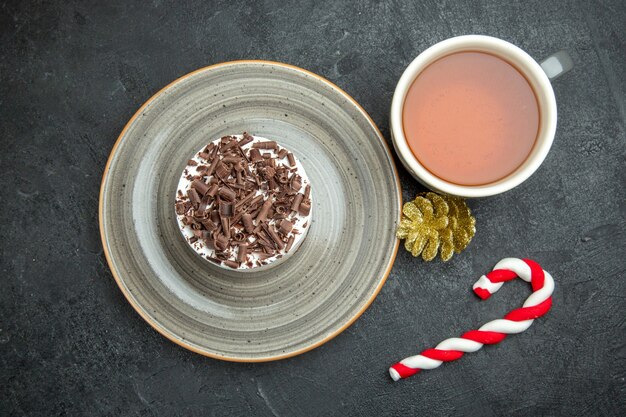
x=538, y=75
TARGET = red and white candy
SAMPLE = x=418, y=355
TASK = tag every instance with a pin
x=495, y=331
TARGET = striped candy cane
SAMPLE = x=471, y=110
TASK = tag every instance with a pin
x=495, y=331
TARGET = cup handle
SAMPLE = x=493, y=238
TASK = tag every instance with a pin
x=557, y=64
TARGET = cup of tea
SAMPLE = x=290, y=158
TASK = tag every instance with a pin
x=474, y=116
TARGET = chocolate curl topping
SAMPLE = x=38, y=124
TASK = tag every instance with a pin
x=200, y=186
x=227, y=209
x=305, y=208
x=225, y=227
x=231, y=264
x=221, y=242
x=180, y=208
x=243, y=162
x=256, y=200
x=255, y=156
x=244, y=187
x=247, y=222
x=270, y=144
x=231, y=159
x=283, y=177
x=213, y=189
x=263, y=256
x=246, y=139
x=222, y=170
x=285, y=227
x=277, y=240
x=246, y=199
x=242, y=252
x=290, y=243
x=263, y=241
x=227, y=194
x=209, y=225
x=296, y=202
x=202, y=208
x=229, y=145
x=214, y=161
x=296, y=182
x=215, y=216
x=194, y=197
x=262, y=216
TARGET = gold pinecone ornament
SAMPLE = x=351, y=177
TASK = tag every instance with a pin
x=436, y=223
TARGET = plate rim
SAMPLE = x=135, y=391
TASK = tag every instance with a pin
x=165, y=332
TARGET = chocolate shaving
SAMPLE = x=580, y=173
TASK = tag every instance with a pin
x=200, y=186
x=231, y=264
x=229, y=145
x=209, y=225
x=194, y=197
x=270, y=144
x=222, y=171
x=180, y=208
x=227, y=194
x=272, y=233
x=243, y=201
x=242, y=252
x=255, y=156
x=305, y=208
x=231, y=159
x=265, y=242
x=221, y=242
x=290, y=243
x=285, y=227
x=245, y=140
x=227, y=209
x=296, y=182
x=296, y=202
x=246, y=199
x=263, y=255
x=262, y=216
x=213, y=190
x=247, y=222
x=214, y=161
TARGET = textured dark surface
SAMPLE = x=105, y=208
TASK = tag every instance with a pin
x=73, y=73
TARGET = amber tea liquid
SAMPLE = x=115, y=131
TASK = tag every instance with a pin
x=471, y=118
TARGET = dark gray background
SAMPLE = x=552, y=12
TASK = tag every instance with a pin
x=72, y=74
